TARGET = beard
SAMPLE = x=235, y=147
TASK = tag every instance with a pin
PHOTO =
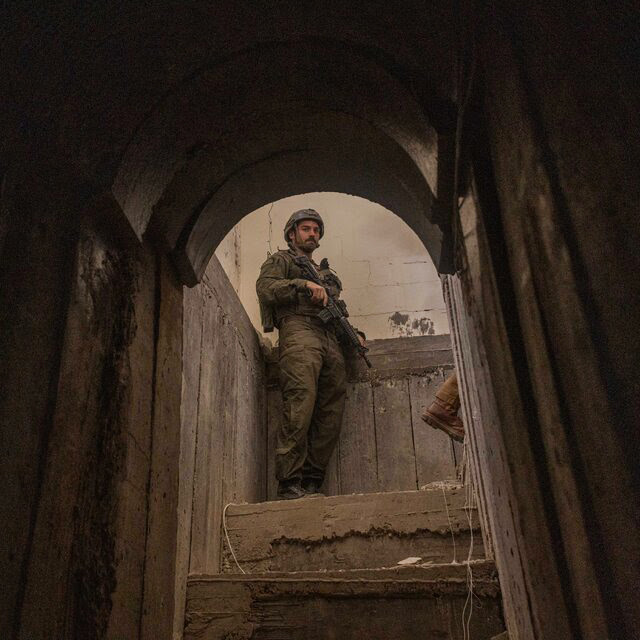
x=308, y=246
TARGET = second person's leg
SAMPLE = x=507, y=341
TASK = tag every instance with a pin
x=443, y=412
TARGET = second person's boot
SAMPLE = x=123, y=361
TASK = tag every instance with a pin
x=443, y=416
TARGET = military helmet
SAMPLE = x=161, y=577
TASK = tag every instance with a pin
x=298, y=216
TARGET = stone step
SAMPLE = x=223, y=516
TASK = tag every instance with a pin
x=358, y=531
x=375, y=604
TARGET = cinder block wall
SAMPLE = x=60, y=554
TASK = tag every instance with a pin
x=390, y=282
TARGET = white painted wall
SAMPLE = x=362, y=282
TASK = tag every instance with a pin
x=390, y=283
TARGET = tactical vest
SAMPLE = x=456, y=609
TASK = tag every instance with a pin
x=303, y=305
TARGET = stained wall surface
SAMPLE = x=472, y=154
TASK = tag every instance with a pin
x=229, y=254
x=88, y=511
x=390, y=282
x=223, y=414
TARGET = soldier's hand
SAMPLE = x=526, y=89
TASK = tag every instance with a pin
x=363, y=342
x=318, y=293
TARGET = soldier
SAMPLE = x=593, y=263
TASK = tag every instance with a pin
x=312, y=366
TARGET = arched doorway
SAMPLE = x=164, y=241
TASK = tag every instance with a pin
x=555, y=171
x=197, y=164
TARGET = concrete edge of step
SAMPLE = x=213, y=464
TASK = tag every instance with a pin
x=481, y=570
x=404, y=582
x=449, y=488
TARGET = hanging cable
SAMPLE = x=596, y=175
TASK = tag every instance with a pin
x=469, y=506
x=226, y=535
x=453, y=537
x=270, y=250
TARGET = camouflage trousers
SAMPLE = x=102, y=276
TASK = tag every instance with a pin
x=313, y=385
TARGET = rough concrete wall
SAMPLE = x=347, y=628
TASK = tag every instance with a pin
x=471, y=300
x=85, y=408
x=36, y=266
x=224, y=410
x=384, y=444
x=83, y=482
x=556, y=173
x=391, y=284
x=403, y=603
x=93, y=508
x=357, y=531
x=229, y=254
x=161, y=571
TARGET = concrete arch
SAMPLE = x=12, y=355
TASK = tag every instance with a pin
x=296, y=117
x=364, y=164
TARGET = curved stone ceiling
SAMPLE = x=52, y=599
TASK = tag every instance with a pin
x=268, y=123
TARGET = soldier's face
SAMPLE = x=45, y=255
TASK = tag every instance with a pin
x=306, y=236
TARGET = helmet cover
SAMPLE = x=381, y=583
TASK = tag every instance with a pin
x=299, y=216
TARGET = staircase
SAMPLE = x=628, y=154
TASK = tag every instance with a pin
x=324, y=568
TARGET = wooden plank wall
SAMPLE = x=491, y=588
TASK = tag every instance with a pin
x=384, y=444
x=231, y=408
x=223, y=413
x=477, y=328
x=473, y=409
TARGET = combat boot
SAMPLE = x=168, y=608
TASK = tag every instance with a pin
x=443, y=416
x=311, y=487
x=290, y=490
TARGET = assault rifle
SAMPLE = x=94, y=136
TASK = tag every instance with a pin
x=335, y=309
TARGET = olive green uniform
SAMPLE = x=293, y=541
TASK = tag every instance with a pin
x=312, y=369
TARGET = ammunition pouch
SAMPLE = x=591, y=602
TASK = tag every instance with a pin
x=267, y=318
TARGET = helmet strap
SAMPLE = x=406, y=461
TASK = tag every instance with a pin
x=291, y=242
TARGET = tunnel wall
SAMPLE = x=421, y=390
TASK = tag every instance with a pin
x=556, y=171
x=223, y=412
x=87, y=387
x=37, y=266
x=551, y=310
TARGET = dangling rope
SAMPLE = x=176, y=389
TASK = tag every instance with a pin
x=226, y=535
x=469, y=506
x=453, y=537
